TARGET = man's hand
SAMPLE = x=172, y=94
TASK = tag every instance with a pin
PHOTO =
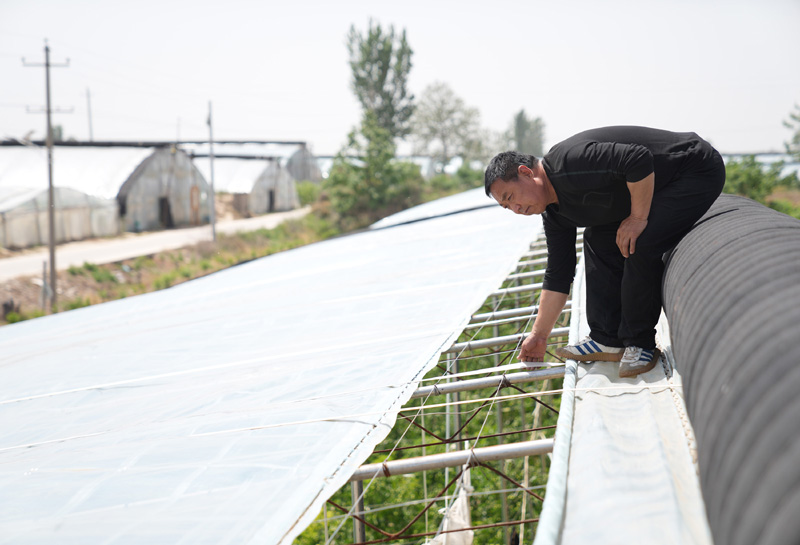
x=629, y=230
x=533, y=348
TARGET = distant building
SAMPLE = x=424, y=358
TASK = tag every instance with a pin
x=258, y=175
x=165, y=190
x=86, y=182
x=100, y=191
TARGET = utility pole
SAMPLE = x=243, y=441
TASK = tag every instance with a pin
x=50, y=195
x=89, y=109
x=211, y=159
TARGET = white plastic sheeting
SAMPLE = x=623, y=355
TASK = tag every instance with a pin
x=99, y=172
x=622, y=468
x=228, y=409
x=457, y=516
x=231, y=175
x=86, y=181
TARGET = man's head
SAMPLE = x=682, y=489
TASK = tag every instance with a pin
x=518, y=183
x=505, y=166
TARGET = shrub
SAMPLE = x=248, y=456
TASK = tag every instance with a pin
x=73, y=304
x=308, y=192
x=165, y=280
x=101, y=275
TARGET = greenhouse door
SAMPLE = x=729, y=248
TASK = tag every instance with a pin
x=165, y=213
x=271, y=201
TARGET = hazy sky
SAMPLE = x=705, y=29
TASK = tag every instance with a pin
x=727, y=69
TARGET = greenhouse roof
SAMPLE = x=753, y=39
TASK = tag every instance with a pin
x=281, y=151
x=232, y=175
x=229, y=408
x=95, y=171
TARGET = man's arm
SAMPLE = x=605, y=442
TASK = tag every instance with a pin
x=551, y=303
x=632, y=226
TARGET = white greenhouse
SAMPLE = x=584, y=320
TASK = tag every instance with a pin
x=99, y=191
x=166, y=190
x=258, y=175
x=86, y=181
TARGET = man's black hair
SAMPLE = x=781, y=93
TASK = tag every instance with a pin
x=504, y=166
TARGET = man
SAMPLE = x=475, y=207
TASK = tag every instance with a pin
x=638, y=191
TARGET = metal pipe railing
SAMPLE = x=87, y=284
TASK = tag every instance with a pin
x=519, y=289
x=489, y=382
x=499, y=341
x=520, y=318
x=453, y=459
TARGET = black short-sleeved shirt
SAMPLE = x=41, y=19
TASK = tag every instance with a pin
x=590, y=172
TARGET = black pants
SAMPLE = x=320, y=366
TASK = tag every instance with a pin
x=623, y=296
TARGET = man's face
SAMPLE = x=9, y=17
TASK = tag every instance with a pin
x=526, y=195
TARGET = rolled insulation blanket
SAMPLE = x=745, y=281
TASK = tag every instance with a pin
x=732, y=298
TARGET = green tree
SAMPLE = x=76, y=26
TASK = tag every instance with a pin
x=381, y=62
x=365, y=183
x=444, y=127
x=793, y=123
x=747, y=177
x=526, y=135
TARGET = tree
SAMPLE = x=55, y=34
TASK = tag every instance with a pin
x=793, y=147
x=365, y=183
x=444, y=127
x=748, y=178
x=526, y=135
x=381, y=62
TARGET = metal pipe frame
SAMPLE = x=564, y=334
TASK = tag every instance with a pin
x=489, y=382
x=533, y=263
x=453, y=459
x=515, y=319
x=522, y=276
x=499, y=341
x=499, y=314
x=519, y=289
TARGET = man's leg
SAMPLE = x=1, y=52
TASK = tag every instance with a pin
x=604, y=270
x=674, y=211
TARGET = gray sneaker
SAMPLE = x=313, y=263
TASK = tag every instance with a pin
x=589, y=350
x=636, y=361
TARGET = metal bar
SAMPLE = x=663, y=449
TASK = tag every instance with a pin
x=453, y=459
x=518, y=289
x=479, y=527
x=499, y=341
x=522, y=276
x=522, y=311
x=535, y=253
x=359, y=530
x=489, y=382
x=520, y=318
x=533, y=263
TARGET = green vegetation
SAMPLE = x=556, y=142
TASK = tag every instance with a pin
x=749, y=178
x=14, y=317
x=373, y=186
x=308, y=192
x=380, y=61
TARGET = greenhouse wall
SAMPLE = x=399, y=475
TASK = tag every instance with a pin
x=165, y=191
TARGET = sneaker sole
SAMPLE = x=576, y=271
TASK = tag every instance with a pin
x=597, y=356
x=626, y=371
